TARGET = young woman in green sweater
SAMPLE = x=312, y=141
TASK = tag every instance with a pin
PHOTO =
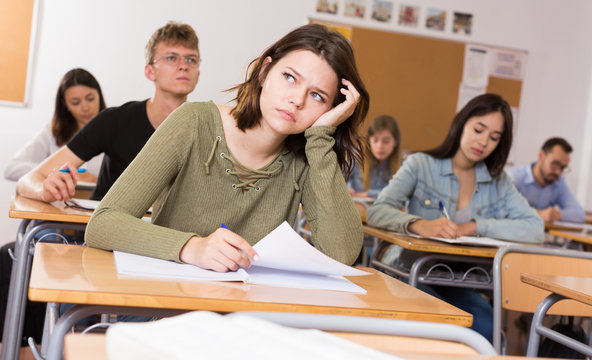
x=287, y=142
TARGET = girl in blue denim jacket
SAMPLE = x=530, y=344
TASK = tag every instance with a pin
x=466, y=174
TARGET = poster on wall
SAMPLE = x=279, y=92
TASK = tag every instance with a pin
x=382, y=11
x=507, y=63
x=476, y=66
x=462, y=23
x=355, y=8
x=408, y=15
x=18, y=24
x=466, y=93
x=475, y=76
x=436, y=19
x=327, y=6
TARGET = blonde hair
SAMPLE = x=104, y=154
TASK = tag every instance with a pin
x=172, y=33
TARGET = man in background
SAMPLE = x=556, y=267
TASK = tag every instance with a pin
x=543, y=185
x=172, y=64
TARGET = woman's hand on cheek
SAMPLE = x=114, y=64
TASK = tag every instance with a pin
x=338, y=114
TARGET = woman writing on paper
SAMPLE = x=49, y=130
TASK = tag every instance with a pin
x=285, y=143
x=79, y=99
x=466, y=174
x=381, y=162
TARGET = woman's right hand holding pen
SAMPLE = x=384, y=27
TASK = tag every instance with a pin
x=441, y=227
x=59, y=185
x=221, y=251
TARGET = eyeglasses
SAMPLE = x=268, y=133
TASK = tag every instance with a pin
x=173, y=59
x=557, y=166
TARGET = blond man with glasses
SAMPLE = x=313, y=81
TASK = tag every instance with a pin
x=543, y=185
x=172, y=64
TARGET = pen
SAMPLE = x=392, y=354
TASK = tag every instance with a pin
x=443, y=210
x=226, y=227
x=66, y=170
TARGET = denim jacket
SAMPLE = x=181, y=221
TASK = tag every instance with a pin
x=377, y=181
x=498, y=208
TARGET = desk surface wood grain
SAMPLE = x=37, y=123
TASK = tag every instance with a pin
x=434, y=246
x=83, y=275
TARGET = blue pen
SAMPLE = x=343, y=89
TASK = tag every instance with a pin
x=226, y=227
x=66, y=170
x=443, y=210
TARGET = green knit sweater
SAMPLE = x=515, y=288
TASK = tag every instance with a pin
x=184, y=171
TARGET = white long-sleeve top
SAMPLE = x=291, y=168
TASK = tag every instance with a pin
x=41, y=146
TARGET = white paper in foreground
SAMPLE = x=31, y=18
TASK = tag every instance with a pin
x=206, y=335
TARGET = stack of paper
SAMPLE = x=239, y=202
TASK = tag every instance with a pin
x=468, y=240
x=285, y=259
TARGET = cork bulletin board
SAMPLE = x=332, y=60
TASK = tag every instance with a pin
x=416, y=79
x=17, y=32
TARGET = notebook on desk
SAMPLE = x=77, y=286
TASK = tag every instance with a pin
x=468, y=240
x=285, y=259
x=86, y=204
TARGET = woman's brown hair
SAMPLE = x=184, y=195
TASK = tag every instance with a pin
x=63, y=124
x=479, y=106
x=380, y=123
x=337, y=52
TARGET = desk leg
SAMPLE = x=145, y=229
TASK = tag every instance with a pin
x=79, y=312
x=19, y=284
x=52, y=313
x=537, y=329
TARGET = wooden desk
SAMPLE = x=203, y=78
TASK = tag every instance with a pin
x=83, y=275
x=561, y=288
x=433, y=246
x=572, y=235
x=24, y=208
x=576, y=288
x=564, y=227
x=93, y=347
x=433, y=251
x=51, y=216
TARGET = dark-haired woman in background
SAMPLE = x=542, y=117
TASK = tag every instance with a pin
x=79, y=99
x=466, y=174
x=382, y=161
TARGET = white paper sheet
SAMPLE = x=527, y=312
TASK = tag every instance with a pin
x=284, y=249
x=468, y=240
x=205, y=335
x=88, y=204
x=285, y=259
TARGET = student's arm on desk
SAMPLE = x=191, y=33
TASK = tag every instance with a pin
x=46, y=183
x=386, y=212
x=517, y=220
x=117, y=225
x=329, y=209
x=549, y=214
x=570, y=209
